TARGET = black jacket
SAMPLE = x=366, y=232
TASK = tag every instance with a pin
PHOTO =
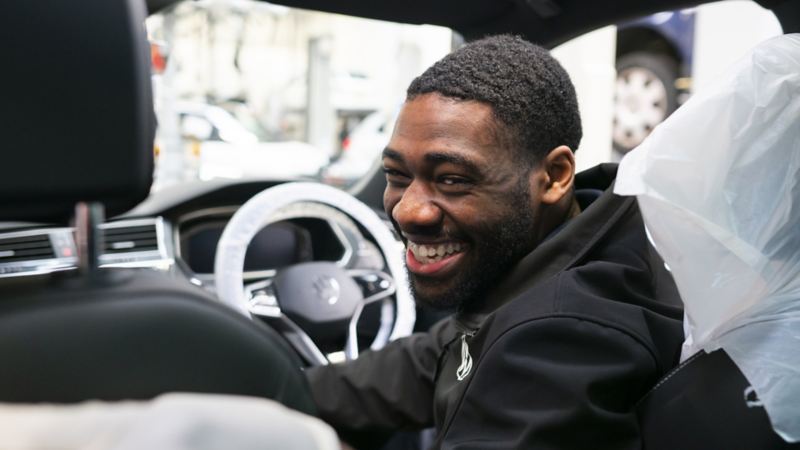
x=569, y=341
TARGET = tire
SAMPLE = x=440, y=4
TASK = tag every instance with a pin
x=645, y=95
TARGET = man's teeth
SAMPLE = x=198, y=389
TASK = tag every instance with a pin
x=427, y=254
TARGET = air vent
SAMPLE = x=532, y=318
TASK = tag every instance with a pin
x=135, y=243
x=130, y=239
x=26, y=248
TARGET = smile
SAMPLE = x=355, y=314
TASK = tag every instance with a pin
x=433, y=259
x=427, y=254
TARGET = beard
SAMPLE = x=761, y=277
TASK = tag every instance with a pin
x=499, y=243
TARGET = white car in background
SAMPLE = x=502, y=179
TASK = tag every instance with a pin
x=360, y=149
x=218, y=145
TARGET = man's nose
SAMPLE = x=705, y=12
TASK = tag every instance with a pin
x=416, y=209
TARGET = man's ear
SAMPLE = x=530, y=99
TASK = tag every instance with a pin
x=559, y=168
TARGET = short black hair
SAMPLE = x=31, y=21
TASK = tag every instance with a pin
x=530, y=94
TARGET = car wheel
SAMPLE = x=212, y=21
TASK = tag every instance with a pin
x=645, y=95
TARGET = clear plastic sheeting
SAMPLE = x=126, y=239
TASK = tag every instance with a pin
x=718, y=185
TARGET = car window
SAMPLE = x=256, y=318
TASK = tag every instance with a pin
x=274, y=83
x=631, y=76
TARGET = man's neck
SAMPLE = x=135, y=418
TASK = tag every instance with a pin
x=574, y=210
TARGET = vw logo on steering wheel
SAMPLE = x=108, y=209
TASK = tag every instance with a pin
x=327, y=288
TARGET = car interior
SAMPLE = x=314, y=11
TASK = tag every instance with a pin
x=98, y=333
x=109, y=292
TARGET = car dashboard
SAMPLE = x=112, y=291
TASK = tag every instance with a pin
x=176, y=232
x=181, y=236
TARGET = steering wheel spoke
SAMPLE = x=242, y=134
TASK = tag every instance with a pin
x=299, y=340
x=262, y=299
x=375, y=285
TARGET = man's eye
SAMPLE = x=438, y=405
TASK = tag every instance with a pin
x=453, y=180
x=391, y=172
x=394, y=176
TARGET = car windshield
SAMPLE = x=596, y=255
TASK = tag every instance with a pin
x=253, y=90
x=247, y=89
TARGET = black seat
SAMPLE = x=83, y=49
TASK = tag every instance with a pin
x=705, y=404
x=134, y=335
x=78, y=101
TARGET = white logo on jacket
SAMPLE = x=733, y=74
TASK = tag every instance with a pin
x=466, y=360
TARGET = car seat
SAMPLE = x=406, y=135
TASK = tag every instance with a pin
x=706, y=403
x=79, y=114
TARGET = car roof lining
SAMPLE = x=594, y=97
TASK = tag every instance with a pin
x=546, y=22
x=788, y=13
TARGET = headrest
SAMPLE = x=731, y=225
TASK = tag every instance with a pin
x=77, y=110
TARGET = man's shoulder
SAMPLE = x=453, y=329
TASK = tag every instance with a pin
x=601, y=293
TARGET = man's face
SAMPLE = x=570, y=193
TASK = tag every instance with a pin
x=465, y=206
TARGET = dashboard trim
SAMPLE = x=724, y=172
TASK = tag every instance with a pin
x=225, y=213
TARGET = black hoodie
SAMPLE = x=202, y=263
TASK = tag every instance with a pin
x=569, y=341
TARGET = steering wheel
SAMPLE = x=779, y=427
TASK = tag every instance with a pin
x=325, y=295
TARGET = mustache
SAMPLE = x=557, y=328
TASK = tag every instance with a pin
x=438, y=232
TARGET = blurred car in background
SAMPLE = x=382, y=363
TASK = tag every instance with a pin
x=219, y=145
x=360, y=149
x=654, y=64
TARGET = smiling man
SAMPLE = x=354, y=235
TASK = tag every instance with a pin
x=467, y=206
x=562, y=316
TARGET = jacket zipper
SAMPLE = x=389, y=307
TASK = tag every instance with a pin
x=465, y=367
